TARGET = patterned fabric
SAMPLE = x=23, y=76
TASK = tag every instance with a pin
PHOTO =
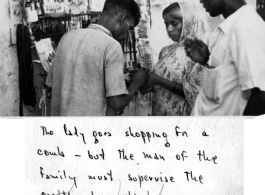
x=176, y=66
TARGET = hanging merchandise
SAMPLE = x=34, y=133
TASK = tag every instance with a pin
x=26, y=83
x=45, y=52
x=38, y=7
x=143, y=35
x=53, y=6
x=141, y=104
x=64, y=6
x=143, y=42
x=32, y=5
x=28, y=5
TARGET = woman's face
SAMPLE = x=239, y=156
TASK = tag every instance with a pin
x=173, y=21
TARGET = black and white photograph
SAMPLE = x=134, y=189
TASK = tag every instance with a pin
x=132, y=58
x=132, y=97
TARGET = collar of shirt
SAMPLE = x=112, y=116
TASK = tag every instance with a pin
x=227, y=24
x=99, y=27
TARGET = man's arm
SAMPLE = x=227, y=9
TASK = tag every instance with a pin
x=256, y=103
x=118, y=103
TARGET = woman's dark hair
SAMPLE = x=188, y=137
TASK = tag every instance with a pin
x=170, y=8
x=128, y=5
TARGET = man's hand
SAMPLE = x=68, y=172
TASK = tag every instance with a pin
x=118, y=103
x=140, y=77
x=197, y=50
x=153, y=79
x=144, y=91
x=145, y=88
x=149, y=84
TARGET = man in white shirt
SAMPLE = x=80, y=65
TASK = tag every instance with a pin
x=234, y=80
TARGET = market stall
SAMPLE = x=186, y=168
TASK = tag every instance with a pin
x=46, y=21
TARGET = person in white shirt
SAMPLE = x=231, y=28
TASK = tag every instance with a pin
x=234, y=77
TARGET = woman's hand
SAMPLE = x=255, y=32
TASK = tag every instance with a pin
x=197, y=50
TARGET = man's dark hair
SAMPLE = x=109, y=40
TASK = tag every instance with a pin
x=128, y=5
x=170, y=8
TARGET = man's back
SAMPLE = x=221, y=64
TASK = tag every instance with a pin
x=79, y=70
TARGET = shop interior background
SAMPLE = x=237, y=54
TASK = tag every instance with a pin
x=9, y=81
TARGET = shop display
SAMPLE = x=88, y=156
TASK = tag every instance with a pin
x=52, y=19
x=32, y=5
x=28, y=5
x=26, y=81
x=143, y=35
x=38, y=7
x=46, y=52
x=139, y=39
x=65, y=6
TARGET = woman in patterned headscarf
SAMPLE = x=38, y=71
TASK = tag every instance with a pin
x=175, y=79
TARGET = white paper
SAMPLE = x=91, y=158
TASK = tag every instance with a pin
x=254, y=161
x=221, y=174
x=32, y=16
x=44, y=49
